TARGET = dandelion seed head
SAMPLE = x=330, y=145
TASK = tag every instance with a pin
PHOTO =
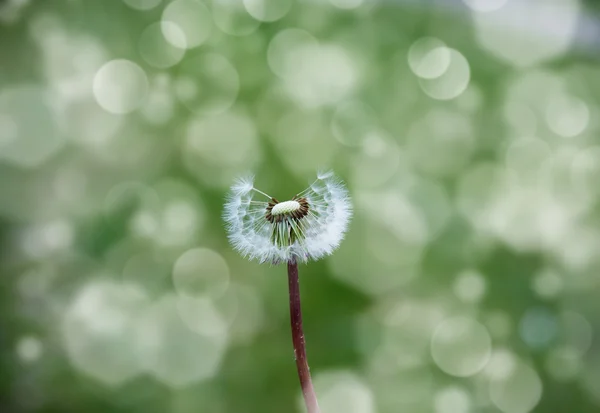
x=309, y=226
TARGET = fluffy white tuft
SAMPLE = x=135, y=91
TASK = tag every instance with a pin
x=243, y=185
x=323, y=228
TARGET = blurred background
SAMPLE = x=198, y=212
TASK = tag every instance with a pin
x=466, y=130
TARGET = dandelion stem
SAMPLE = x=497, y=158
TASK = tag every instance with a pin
x=308, y=390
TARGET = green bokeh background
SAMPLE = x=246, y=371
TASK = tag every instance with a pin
x=469, y=278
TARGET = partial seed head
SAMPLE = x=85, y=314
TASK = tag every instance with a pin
x=309, y=226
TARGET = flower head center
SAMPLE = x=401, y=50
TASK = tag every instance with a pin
x=284, y=208
x=295, y=209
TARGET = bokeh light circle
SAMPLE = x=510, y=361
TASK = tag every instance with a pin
x=342, y=391
x=45, y=239
x=519, y=392
x=547, y=283
x=327, y=75
x=567, y=116
x=282, y=53
x=29, y=349
x=120, y=86
x=231, y=17
x=186, y=23
x=396, y=388
x=539, y=30
x=429, y=58
x=461, y=346
x=98, y=330
x=267, y=10
x=453, y=82
x=376, y=238
x=452, y=400
x=501, y=365
x=211, y=323
x=243, y=310
x=8, y=129
x=470, y=286
x=564, y=363
x=174, y=353
x=576, y=332
x=156, y=50
x=538, y=327
x=199, y=272
x=174, y=221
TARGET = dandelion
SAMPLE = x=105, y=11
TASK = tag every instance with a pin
x=309, y=226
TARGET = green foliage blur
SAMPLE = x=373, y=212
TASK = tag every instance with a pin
x=466, y=131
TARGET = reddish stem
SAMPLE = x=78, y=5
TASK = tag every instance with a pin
x=308, y=391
